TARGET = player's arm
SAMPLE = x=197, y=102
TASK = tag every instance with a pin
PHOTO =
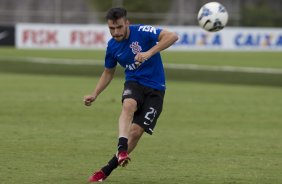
x=166, y=39
x=103, y=82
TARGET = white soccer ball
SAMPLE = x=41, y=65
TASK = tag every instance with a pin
x=213, y=17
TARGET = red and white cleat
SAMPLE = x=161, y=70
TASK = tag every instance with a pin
x=123, y=158
x=98, y=176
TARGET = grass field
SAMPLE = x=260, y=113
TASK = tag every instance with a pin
x=246, y=59
x=56, y=62
x=210, y=132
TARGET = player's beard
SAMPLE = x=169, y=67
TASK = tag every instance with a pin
x=121, y=37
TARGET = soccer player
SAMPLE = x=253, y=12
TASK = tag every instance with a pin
x=137, y=49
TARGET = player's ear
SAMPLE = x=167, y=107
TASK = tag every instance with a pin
x=127, y=22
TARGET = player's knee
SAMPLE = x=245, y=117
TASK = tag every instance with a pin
x=129, y=105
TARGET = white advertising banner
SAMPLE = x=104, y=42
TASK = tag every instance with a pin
x=229, y=39
x=53, y=36
x=191, y=38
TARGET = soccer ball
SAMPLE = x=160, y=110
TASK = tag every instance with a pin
x=212, y=17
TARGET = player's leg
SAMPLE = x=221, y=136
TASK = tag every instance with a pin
x=132, y=98
x=129, y=107
x=145, y=119
x=135, y=134
x=132, y=95
x=151, y=109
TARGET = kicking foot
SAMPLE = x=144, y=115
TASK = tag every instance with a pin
x=98, y=176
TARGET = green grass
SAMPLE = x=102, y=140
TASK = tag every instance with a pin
x=59, y=53
x=208, y=133
x=244, y=59
x=216, y=127
x=241, y=59
x=17, y=61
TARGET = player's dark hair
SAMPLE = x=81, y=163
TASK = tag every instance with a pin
x=116, y=13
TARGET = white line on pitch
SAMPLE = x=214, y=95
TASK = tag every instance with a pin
x=166, y=65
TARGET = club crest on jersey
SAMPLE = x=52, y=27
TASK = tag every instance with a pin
x=136, y=48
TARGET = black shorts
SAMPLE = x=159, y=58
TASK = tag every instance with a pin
x=149, y=104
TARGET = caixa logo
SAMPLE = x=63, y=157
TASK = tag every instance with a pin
x=258, y=40
x=199, y=39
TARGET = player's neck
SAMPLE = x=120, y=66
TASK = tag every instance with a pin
x=127, y=33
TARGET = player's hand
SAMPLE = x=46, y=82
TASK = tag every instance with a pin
x=142, y=56
x=89, y=99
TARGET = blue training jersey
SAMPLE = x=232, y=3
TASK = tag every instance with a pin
x=141, y=38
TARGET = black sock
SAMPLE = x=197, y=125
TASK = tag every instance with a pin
x=122, y=144
x=112, y=164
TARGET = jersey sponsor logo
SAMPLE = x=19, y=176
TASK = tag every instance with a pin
x=132, y=66
x=147, y=28
x=135, y=47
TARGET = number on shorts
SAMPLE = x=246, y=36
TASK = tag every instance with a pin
x=151, y=114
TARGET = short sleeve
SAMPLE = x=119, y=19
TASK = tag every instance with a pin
x=150, y=32
x=110, y=62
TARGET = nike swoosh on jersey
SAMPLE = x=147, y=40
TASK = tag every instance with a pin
x=119, y=54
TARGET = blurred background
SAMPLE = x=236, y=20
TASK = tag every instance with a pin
x=169, y=12
x=221, y=121
x=53, y=25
